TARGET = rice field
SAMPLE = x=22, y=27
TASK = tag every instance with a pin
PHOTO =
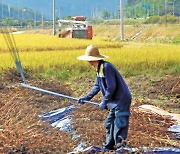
x=49, y=53
x=40, y=42
x=51, y=57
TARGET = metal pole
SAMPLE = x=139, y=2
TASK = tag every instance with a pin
x=59, y=12
x=121, y=20
x=166, y=11
x=54, y=27
x=56, y=94
x=9, y=10
x=173, y=7
x=42, y=19
x=2, y=10
x=35, y=19
x=18, y=11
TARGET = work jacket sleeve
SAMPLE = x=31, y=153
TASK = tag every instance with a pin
x=93, y=92
x=110, y=80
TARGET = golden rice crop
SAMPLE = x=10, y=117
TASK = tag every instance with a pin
x=62, y=53
x=146, y=56
x=39, y=42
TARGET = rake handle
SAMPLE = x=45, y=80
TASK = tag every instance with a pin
x=56, y=94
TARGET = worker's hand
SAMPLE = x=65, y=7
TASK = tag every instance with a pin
x=81, y=100
x=103, y=105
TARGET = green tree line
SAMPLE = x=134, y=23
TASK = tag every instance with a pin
x=147, y=8
x=19, y=13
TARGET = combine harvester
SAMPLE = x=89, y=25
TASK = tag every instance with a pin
x=77, y=27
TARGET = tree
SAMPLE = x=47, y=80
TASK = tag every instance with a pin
x=106, y=14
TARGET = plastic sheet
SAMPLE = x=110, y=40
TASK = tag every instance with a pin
x=60, y=118
x=175, y=129
x=144, y=150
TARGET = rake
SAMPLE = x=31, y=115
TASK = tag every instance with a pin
x=11, y=44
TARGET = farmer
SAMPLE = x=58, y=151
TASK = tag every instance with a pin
x=116, y=97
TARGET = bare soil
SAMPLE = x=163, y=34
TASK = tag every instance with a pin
x=22, y=130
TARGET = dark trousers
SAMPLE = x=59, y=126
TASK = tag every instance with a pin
x=116, y=128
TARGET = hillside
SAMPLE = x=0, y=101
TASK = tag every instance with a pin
x=94, y=8
x=18, y=12
x=69, y=7
x=141, y=8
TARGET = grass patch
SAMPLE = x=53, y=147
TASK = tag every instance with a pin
x=154, y=33
x=63, y=74
x=175, y=40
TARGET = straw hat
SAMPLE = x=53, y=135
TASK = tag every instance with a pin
x=91, y=54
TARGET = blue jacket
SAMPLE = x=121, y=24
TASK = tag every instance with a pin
x=113, y=87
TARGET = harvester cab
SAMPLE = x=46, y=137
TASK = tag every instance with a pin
x=77, y=27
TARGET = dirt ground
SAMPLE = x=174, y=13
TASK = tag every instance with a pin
x=22, y=130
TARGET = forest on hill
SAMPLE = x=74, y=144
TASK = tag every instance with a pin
x=29, y=10
x=146, y=8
